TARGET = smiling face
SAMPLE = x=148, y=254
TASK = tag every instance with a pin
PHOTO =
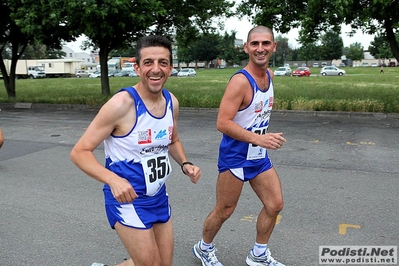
x=260, y=46
x=154, y=67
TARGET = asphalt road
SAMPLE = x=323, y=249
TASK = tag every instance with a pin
x=339, y=172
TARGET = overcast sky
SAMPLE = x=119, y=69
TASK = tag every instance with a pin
x=243, y=26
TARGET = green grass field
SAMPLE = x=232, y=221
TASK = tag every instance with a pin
x=362, y=89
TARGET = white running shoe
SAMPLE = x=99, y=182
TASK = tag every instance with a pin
x=98, y=264
x=265, y=259
x=208, y=258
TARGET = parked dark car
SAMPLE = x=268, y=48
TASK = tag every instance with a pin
x=174, y=72
x=111, y=73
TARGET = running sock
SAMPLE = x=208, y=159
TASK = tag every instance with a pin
x=259, y=249
x=205, y=246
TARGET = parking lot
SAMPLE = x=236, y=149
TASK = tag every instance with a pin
x=339, y=173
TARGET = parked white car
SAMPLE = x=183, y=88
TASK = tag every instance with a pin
x=332, y=71
x=187, y=72
x=283, y=71
x=96, y=74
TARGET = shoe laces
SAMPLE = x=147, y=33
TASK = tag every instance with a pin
x=268, y=257
x=212, y=256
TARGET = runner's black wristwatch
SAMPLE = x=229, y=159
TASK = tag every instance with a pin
x=182, y=165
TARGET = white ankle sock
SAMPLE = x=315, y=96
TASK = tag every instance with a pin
x=205, y=246
x=259, y=249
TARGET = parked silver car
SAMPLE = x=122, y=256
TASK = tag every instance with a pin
x=283, y=71
x=82, y=73
x=187, y=72
x=332, y=71
x=96, y=74
x=123, y=73
x=133, y=74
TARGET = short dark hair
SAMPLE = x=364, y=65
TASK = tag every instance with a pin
x=151, y=41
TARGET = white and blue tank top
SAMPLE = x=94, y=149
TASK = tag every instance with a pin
x=255, y=117
x=141, y=156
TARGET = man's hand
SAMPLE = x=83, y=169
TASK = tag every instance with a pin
x=272, y=141
x=194, y=172
x=122, y=190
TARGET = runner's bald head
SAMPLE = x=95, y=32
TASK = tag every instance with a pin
x=260, y=29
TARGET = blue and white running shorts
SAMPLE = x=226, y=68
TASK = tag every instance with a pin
x=248, y=173
x=140, y=216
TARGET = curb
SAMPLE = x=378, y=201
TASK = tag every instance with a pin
x=47, y=106
x=310, y=113
x=44, y=106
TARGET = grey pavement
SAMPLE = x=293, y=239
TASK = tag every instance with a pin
x=339, y=173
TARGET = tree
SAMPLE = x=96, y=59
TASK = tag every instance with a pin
x=231, y=52
x=110, y=25
x=185, y=54
x=282, y=50
x=331, y=46
x=118, y=24
x=29, y=22
x=128, y=52
x=355, y=51
x=315, y=17
x=308, y=51
x=380, y=48
x=40, y=51
x=207, y=48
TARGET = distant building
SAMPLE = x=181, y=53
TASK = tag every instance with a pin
x=238, y=42
x=368, y=56
x=89, y=61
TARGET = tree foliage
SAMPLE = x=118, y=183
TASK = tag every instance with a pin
x=229, y=51
x=185, y=54
x=380, y=47
x=111, y=24
x=29, y=22
x=355, y=51
x=127, y=52
x=108, y=25
x=209, y=47
x=118, y=24
x=282, y=51
x=39, y=51
x=309, y=51
x=316, y=17
x=331, y=46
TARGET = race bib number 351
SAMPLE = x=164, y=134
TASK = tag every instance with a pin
x=255, y=151
x=156, y=169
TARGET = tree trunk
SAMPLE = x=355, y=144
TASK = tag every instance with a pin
x=9, y=83
x=9, y=74
x=391, y=39
x=105, y=89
